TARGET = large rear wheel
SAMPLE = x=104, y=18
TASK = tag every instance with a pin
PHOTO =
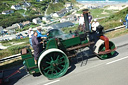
x=109, y=55
x=53, y=63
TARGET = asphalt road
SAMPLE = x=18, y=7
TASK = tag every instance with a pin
x=93, y=71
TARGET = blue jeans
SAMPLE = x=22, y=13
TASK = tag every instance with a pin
x=126, y=24
x=30, y=41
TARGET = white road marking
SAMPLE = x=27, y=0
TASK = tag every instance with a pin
x=52, y=82
x=116, y=60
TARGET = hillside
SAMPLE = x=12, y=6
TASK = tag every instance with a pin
x=36, y=9
x=114, y=19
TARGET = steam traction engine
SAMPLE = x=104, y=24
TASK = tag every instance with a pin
x=53, y=62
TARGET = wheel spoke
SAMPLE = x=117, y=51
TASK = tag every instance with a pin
x=51, y=59
x=47, y=58
x=58, y=68
x=55, y=70
x=61, y=62
x=57, y=57
x=62, y=57
x=47, y=67
x=62, y=65
x=48, y=62
x=47, y=71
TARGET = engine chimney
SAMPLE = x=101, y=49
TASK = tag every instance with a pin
x=86, y=20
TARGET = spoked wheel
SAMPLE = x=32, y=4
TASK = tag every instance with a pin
x=109, y=55
x=53, y=63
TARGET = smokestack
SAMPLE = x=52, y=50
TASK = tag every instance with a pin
x=86, y=20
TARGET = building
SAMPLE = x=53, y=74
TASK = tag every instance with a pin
x=26, y=23
x=7, y=12
x=56, y=1
x=68, y=4
x=1, y=29
x=16, y=7
x=60, y=13
x=20, y=26
x=46, y=18
x=26, y=4
x=68, y=18
x=36, y=20
x=39, y=0
x=12, y=28
x=61, y=25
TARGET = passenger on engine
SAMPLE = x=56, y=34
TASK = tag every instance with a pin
x=95, y=24
x=39, y=33
x=81, y=23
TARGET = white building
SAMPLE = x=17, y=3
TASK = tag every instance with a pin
x=1, y=29
x=7, y=12
x=60, y=13
x=16, y=7
x=12, y=28
x=36, y=20
x=39, y=0
x=68, y=4
x=46, y=18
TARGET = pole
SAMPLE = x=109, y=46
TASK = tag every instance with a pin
x=86, y=20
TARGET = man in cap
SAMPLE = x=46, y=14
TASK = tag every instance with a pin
x=39, y=33
x=94, y=25
x=40, y=36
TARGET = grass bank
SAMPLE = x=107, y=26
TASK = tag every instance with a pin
x=117, y=33
x=14, y=41
x=114, y=19
x=99, y=12
x=15, y=49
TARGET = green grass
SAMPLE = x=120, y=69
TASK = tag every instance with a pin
x=8, y=43
x=27, y=27
x=113, y=20
x=55, y=7
x=15, y=49
x=117, y=33
x=97, y=13
x=66, y=30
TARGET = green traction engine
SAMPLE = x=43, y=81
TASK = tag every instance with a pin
x=53, y=62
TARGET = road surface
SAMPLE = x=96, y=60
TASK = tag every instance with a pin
x=93, y=71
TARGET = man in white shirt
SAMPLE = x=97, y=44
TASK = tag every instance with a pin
x=81, y=23
x=95, y=24
x=81, y=20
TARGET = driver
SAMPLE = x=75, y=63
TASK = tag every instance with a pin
x=36, y=44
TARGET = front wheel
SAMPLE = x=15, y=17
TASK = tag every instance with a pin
x=109, y=55
x=53, y=63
